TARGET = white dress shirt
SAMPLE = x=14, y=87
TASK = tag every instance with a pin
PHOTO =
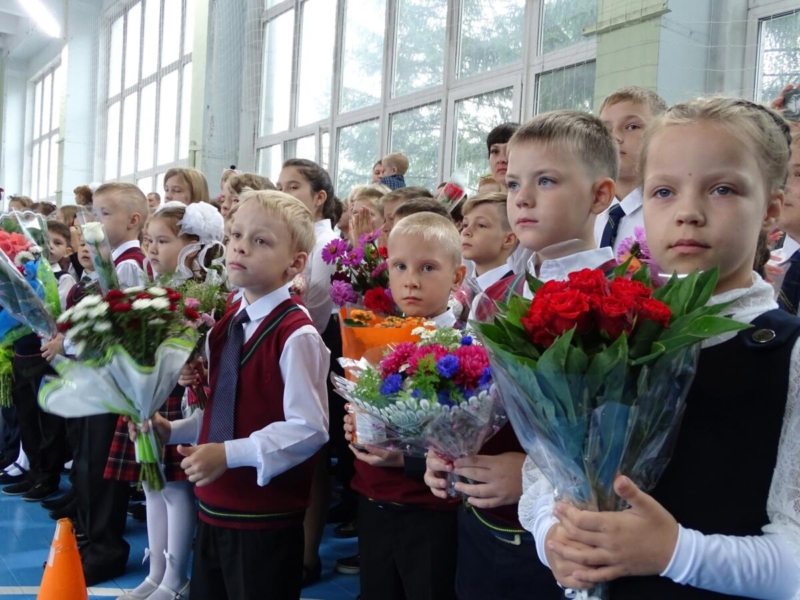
x=129, y=273
x=782, y=256
x=558, y=269
x=634, y=217
x=65, y=284
x=766, y=566
x=446, y=319
x=281, y=445
x=318, y=273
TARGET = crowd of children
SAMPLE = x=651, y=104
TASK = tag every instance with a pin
x=248, y=487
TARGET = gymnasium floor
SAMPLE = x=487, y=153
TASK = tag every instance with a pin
x=26, y=533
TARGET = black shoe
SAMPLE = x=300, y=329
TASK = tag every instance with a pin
x=312, y=575
x=98, y=574
x=41, y=491
x=70, y=511
x=136, y=495
x=138, y=512
x=17, y=489
x=348, y=566
x=346, y=530
x=6, y=479
x=61, y=501
x=341, y=513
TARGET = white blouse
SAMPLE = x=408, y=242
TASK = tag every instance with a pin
x=766, y=566
x=317, y=296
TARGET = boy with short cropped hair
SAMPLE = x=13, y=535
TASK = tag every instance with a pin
x=60, y=240
x=561, y=172
x=392, y=200
x=626, y=114
x=407, y=537
x=267, y=414
x=395, y=166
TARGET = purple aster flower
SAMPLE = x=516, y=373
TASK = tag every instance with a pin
x=353, y=258
x=368, y=238
x=641, y=238
x=447, y=366
x=636, y=246
x=392, y=384
x=333, y=250
x=378, y=270
x=342, y=293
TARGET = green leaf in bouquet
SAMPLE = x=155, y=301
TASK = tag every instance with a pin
x=552, y=376
x=699, y=330
x=620, y=270
x=662, y=293
x=656, y=351
x=517, y=310
x=704, y=289
x=642, y=275
x=534, y=284
x=684, y=290
x=607, y=371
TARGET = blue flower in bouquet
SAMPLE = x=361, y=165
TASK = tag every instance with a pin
x=447, y=366
x=368, y=238
x=466, y=340
x=333, y=250
x=486, y=377
x=443, y=397
x=392, y=384
x=342, y=293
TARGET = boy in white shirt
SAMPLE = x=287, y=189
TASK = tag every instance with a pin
x=626, y=113
x=60, y=240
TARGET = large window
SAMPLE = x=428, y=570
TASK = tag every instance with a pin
x=779, y=54
x=429, y=78
x=44, y=139
x=148, y=90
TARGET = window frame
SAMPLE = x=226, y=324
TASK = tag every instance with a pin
x=521, y=75
x=54, y=194
x=758, y=11
x=110, y=16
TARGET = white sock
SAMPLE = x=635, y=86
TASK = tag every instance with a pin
x=157, y=540
x=181, y=521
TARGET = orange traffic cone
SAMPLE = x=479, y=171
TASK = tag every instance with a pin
x=63, y=573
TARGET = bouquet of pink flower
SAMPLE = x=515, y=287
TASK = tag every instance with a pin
x=361, y=275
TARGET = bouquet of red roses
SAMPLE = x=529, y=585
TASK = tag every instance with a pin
x=594, y=372
x=361, y=275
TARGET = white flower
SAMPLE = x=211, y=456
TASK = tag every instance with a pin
x=134, y=290
x=159, y=303
x=79, y=348
x=98, y=311
x=65, y=316
x=37, y=250
x=157, y=291
x=23, y=257
x=156, y=322
x=142, y=304
x=102, y=326
x=93, y=233
x=88, y=301
x=76, y=330
x=79, y=313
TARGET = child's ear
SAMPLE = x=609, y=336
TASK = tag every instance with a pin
x=297, y=266
x=458, y=277
x=774, y=208
x=510, y=241
x=134, y=221
x=604, y=191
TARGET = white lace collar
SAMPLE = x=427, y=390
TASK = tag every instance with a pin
x=746, y=304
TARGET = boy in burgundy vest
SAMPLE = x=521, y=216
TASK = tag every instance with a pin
x=266, y=417
x=407, y=537
x=561, y=171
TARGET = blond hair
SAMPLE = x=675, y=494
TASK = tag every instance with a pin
x=406, y=193
x=195, y=181
x=486, y=180
x=580, y=133
x=130, y=196
x=371, y=195
x=397, y=160
x=432, y=228
x=24, y=200
x=239, y=181
x=796, y=141
x=639, y=95
x=764, y=129
x=496, y=199
x=291, y=211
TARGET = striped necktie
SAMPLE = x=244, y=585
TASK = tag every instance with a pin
x=611, y=230
x=223, y=405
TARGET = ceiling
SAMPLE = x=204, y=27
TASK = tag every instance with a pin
x=20, y=39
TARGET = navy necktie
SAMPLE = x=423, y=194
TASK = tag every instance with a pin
x=615, y=215
x=223, y=406
x=789, y=298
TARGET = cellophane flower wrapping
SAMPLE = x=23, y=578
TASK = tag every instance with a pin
x=22, y=294
x=435, y=394
x=594, y=374
x=363, y=330
x=130, y=347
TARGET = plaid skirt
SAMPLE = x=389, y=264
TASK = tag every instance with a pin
x=121, y=464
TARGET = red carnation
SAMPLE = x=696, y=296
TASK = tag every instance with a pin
x=550, y=287
x=615, y=314
x=622, y=286
x=191, y=314
x=436, y=350
x=115, y=295
x=122, y=307
x=377, y=301
x=472, y=361
x=173, y=296
x=383, y=251
x=589, y=281
x=569, y=309
x=655, y=310
x=142, y=296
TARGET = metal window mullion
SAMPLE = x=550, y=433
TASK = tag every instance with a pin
x=336, y=90
x=389, y=35
x=294, y=83
x=180, y=67
x=530, y=43
x=450, y=57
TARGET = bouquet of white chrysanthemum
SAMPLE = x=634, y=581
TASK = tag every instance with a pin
x=131, y=345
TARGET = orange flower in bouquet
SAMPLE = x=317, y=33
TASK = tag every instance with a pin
x=13, y=243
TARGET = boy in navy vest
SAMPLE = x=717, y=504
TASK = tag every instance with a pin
x=267, y=414
x=407, y=537
x=560, y=175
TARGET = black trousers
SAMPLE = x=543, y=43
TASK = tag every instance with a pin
x=42, y=434
x=247, y=564
x=406, y=553
x=9, y=431
x=102, y=503
x=499, y=566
